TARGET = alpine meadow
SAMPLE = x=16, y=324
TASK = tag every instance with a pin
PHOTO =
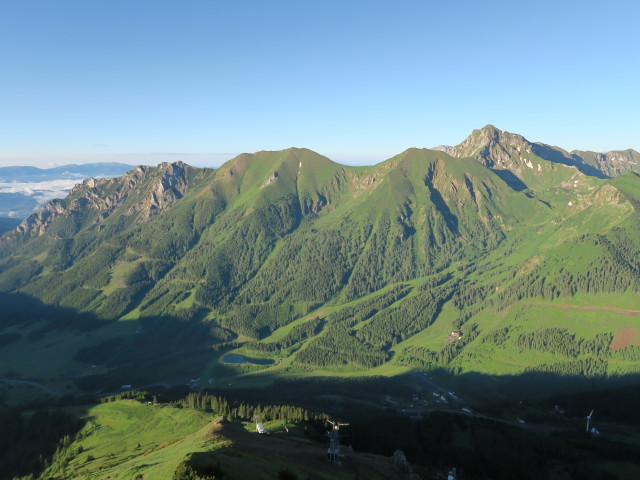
x=467, y=305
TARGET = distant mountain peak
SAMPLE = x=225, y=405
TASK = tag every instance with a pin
x=179, y=164
x=494, y=148
x=443, y=148
x=482, y=139
x=499, y=149
x=491, y=130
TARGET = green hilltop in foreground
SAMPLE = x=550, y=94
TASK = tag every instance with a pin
x=527, y=252
x=127, y=439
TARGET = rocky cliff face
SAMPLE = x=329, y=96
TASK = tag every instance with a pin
x=166, y=190
x=149, y=190
x=611, y=164
x=502, y=150
x=38, y=222
x=494, y=148
x=511, y=156
x=443, y=148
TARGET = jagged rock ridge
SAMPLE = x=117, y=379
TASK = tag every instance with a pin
x=498, y=149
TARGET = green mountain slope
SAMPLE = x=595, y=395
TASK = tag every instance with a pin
x=328, y=269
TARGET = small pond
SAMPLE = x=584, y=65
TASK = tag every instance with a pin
x=234, y=358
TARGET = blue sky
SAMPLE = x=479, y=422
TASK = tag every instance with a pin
x=201, y=80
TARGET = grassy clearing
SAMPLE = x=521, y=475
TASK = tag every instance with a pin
x=585, y=318
x=435, y=336
x=119, y=274
x=188, y=302
x=125, y=439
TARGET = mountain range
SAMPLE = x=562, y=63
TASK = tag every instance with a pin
x=24, y=189
x=497, y=256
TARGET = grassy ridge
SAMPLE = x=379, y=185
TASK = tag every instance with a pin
x=127, y=439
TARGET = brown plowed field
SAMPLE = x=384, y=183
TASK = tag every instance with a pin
x=623, y=337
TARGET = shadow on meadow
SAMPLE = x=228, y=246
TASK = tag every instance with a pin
x=434, y=439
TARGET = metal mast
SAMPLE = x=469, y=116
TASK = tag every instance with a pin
x=334, y=441
x=589, y=420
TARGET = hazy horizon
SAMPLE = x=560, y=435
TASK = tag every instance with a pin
x=355, y=81
x=214, y=160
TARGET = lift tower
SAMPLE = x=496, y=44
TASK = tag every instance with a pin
x=334, y=441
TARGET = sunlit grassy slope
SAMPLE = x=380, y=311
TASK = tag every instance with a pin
x=127, y=439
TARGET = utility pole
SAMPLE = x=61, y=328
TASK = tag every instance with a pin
x=334, y=441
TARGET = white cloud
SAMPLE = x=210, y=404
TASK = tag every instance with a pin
x=42, y=188
x=47, y=196
x=38, y=192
